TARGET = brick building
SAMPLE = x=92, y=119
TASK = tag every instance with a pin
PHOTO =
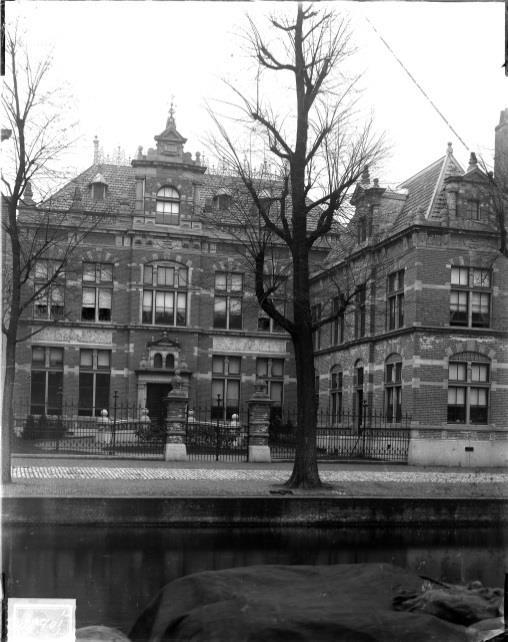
x=425, y=329
x=154, y=290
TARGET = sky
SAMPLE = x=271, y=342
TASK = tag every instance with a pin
x=123, y=61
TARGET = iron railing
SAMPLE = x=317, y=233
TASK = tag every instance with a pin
x=349, y=435
x=124, y=430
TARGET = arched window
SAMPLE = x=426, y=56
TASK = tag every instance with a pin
x=157, y=360
x=336, y=385
x=468, y=388
x=167, y=210
x=393, y=388
x=170, y=361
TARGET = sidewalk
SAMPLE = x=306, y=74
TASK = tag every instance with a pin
x=79, y=477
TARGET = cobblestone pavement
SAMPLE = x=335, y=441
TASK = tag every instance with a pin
x=255, y=474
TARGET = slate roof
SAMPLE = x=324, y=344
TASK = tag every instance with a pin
x=121, y=187
x=426, y=191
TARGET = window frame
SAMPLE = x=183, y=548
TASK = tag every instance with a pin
x=100, y=377
x=45, y=299
x=393, y=389
x=49, y=374
x=226, y=297
x=272, y=379
x=227, y=377
x=465, y=293
x=337, y=324
x=93, y=281
x=163, y=217
x=156, y=289
x=395, y=300
x=336, y=394
x=360, y=312
x=468, y=387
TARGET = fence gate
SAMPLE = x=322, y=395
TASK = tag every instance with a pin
x=212, y=436
x=371, y=436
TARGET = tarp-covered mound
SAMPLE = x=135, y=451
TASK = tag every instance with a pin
x=350, y=602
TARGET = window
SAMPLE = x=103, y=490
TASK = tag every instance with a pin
x=97, y=291
x=46, y=382
x=395, y=300
x=98, y=191
x=227, y=309
x=167, y=206
x=272, y=371
x=337, y=325
x=157, y=360
x=225, y=386
x=49, y=303
x=315, y=312
x=336, y=387
x=359, y=406
x=170, y=361
x=360, y=311
x=164, y=295
x=362, y=229
x=94, y=381
x=393, y=388
x=222, y=202
x=470, y=297
x=472, y=209
x=468, y=389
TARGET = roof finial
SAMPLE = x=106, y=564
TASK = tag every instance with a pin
x=171, y=119
x=473, y=163
x=365, y=179
x=95, y=150
x=449, y=149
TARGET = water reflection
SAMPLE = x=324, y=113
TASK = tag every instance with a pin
x=114, y=572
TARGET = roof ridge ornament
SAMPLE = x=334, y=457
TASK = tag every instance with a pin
x=473, y=163
x=449, y=149
x=171, y=118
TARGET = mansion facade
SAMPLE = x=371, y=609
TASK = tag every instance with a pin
x=157, y=291
x=427, y=330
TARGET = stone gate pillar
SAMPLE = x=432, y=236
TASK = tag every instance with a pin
x=259, y=420
x=176, y=417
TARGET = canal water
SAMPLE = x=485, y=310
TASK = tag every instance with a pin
x=113, y=572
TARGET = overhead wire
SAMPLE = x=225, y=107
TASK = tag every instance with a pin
x=413, y=79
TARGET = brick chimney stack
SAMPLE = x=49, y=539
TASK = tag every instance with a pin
x=501, y=148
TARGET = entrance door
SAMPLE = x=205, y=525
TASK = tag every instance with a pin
x=155, y=396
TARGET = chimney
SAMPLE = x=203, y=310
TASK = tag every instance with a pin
x=95, y=151
x=501, y=149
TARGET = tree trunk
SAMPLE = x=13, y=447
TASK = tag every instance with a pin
x=305, y=471
x=7, y=405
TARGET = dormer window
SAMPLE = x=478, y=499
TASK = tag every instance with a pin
x=167, y=211
x=473, y=209
x=221, y=201
x=98, y=188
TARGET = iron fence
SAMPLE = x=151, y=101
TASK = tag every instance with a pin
x=123, y=430
x=210, y=436
x=370, y=435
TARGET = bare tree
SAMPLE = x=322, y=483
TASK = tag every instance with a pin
x=318, y=152
x=31, y=234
